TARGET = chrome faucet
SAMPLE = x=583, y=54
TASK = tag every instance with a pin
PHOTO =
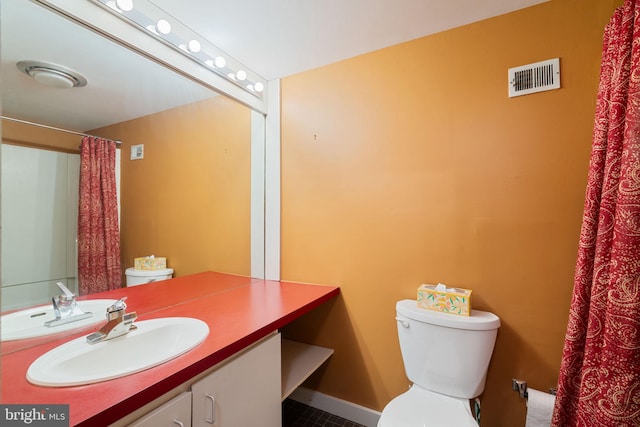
x=66, y=308
x=118, y=323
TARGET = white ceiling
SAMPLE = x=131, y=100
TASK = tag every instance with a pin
x=275, y=38
x=278, y=38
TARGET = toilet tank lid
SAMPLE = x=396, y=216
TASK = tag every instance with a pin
x=476, y=321
x=148, y=273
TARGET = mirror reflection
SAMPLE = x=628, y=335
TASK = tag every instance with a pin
x=185, y=196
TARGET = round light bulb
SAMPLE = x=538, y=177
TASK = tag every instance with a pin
x=241, y=75
x=259, y=87
x=194, y=46
x=125, y=5
x=163, y=26
x=220, y=62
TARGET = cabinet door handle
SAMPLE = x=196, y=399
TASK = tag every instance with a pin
x=178, y=423
x=211, y=420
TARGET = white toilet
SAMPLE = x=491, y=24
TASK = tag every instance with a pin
x=141, y=277
x=446, y=357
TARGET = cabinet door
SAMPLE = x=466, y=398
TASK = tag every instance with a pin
x=174, y=413
x=243, y=392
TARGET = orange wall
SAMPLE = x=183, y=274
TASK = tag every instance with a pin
x=37, y=137
x=411, y=165
x=189, y=198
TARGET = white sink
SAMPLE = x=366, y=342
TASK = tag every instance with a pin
x=29, y=323
x=154, y=342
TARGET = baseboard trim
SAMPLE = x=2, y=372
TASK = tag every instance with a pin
x=333, y=405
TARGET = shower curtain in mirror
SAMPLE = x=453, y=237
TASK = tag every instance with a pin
x=599, y=383
x=98, y=230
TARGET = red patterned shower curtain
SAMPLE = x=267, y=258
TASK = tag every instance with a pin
x=98, y=230
x=599, y=383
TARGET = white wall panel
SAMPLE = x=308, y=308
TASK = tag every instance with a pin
x=39, y=213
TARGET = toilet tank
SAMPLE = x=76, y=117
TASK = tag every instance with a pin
x=446, y=353
x=142, y=277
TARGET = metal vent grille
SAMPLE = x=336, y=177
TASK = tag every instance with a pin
x=536, y=77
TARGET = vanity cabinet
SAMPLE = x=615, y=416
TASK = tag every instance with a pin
x=174, y=413
x=243, y=391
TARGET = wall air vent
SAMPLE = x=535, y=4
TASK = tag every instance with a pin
x=532, y=78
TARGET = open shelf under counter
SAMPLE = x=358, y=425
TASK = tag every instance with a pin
x=299, y=361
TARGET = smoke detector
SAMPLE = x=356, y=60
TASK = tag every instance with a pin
x=52, y=75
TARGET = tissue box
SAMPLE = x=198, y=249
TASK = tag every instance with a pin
x=150, y=263
x=453, y=300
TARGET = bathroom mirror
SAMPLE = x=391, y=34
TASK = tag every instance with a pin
x=182, y=125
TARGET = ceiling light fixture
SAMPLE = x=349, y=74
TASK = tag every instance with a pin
x=163, y=26
x=120, y=5
x=125, y=5
x=157, y=23
x=220, y=62
x=52, y=75
x=194, y=46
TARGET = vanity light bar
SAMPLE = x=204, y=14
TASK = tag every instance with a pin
x=162, y=26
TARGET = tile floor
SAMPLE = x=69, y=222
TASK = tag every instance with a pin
x=296, y=414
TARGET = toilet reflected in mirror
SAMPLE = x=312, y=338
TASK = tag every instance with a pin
x=142, y=277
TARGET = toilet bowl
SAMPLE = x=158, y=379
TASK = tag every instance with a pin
x=141, y=277
x=446, y=357
x=421, y=407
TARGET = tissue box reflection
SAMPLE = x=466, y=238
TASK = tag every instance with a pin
x=150, y=263
x=451, y=300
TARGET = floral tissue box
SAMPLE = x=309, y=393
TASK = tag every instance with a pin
x=150, y=263
x=447, y=300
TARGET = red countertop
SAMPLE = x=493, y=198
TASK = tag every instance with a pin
x=239, y=311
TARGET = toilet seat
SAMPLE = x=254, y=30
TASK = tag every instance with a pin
x=419, y=407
